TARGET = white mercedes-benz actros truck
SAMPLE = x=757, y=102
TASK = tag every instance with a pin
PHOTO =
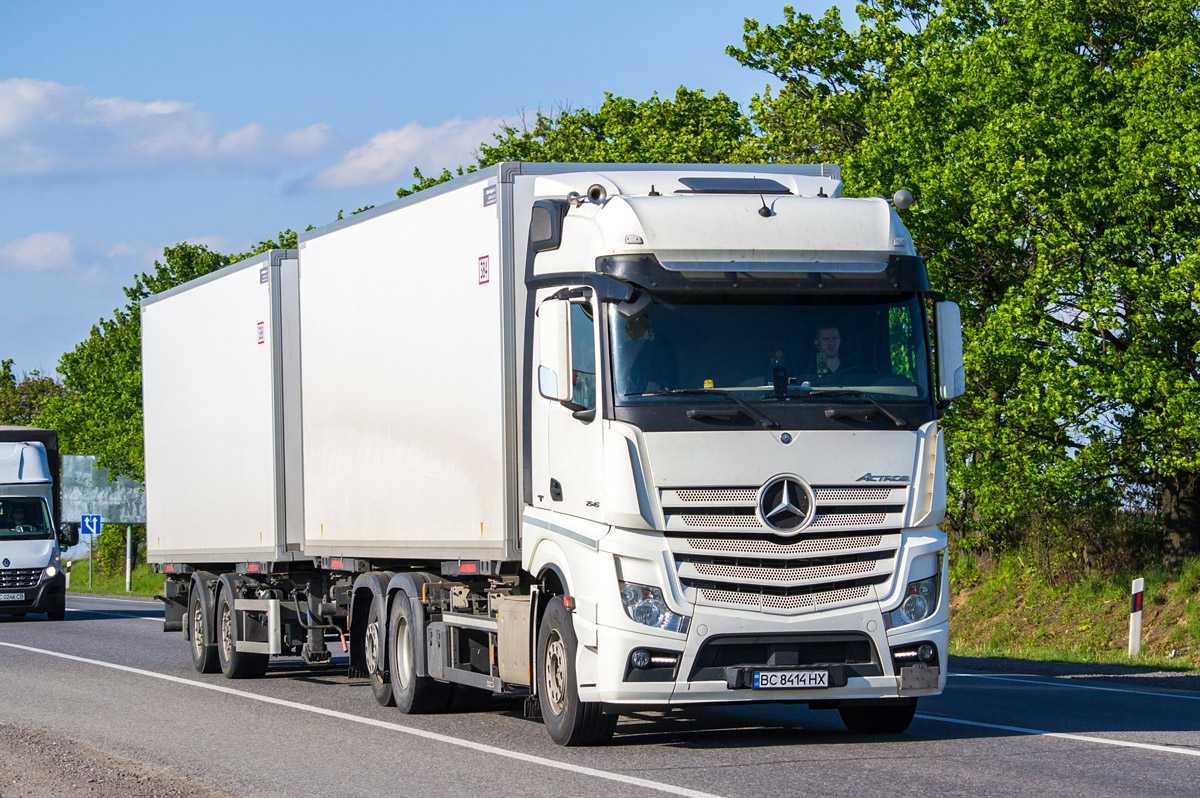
x=611, y=437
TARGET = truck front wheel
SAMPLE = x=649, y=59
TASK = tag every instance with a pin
x=204, y=657
x=58, y=612
x=891, y=718
x=569, y=720
x=235, y=664
x=415, y=695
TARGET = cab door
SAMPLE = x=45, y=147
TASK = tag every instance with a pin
x=567, y=435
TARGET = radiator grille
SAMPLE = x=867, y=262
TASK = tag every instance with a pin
x=20, y=577
x=725, y=555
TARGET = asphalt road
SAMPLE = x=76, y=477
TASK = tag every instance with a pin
x=108, y=679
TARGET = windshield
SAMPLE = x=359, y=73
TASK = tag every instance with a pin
x=770, y=347
x=24, y=519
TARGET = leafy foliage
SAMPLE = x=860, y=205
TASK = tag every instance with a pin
x=21, y=402
x=1053, y=150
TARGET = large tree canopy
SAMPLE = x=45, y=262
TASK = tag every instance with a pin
x=1053, y=149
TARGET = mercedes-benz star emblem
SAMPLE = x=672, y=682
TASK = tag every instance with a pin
x=786, y=504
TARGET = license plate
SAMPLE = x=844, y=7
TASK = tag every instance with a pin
x=12, y=596
x=767, y=680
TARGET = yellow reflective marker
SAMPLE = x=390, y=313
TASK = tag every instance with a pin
x=708, y=383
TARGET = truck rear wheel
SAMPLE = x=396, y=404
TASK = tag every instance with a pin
x=415, y=695
x=235, y=664
x=375, y=655
x=204, y=657
x=891, y=718
x=569, y=720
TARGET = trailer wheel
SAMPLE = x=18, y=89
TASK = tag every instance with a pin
x=569, y=720
x=892, y=718
x=375, y=655
x=235, y=664
x=204, y=657
x=415, y=695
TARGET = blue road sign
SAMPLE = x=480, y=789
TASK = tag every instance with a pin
x=90, y=525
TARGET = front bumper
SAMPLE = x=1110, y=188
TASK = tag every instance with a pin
x=47, y=595
x=607, y=663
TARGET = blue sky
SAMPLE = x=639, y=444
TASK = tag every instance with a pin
x=129, y=126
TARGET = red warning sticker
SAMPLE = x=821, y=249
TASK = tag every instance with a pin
x=262, y=332
x=485, y=272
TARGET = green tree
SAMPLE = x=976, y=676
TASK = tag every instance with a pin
x=22, y=401
x=101, y=411
x=1054, y=150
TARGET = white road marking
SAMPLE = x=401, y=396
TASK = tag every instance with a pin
x=115, y=614
x=428, y=735
x=1167, y=749
x=1078, y=686
x=150, y=602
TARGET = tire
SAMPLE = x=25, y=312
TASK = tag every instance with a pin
x=375, y=648
x=58, y=613
x=568, y=720
x=233, y=663
x=204, y=657
x=891, y=718
x=414, y=695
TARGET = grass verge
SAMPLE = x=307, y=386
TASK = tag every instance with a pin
x=145, y=581
x=1002, y=607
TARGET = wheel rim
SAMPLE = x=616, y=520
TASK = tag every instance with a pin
x=403, y=658
x=371, y=649
x=226, y=632
x=556, y=672
x=198, y=630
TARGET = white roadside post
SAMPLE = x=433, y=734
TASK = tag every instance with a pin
x=1135, y=617
x=128, y=559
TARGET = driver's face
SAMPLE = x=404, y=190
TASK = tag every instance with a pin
x=828, y=341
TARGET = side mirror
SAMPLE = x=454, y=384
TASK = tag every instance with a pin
x=952, y=376
x=554, y=350
x=68, y=535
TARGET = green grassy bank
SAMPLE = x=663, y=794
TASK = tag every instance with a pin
x=145, y=581
x=1004, y=607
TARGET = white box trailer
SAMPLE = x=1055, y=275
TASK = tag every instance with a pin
x=582, y=433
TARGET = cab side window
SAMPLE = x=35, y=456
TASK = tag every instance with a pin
x=583, y=355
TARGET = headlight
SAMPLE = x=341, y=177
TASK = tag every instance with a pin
x=645, y=605
x=51, y=570
x=920, y=601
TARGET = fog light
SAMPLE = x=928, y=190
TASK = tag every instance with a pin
x=641, y=658
x=925, y=652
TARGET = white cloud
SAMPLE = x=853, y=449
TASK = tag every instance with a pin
x=47, y=128
x=39, y=252
x=393, y=154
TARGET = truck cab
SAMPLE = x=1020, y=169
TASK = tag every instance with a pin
x=31, y=573
x=735, y=435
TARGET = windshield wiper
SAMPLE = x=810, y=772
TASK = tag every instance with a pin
x=742, y=403
x=834, y=413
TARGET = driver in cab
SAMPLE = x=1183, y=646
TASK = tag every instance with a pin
x=828, y=343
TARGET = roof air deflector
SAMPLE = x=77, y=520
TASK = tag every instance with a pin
x=731, y=185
